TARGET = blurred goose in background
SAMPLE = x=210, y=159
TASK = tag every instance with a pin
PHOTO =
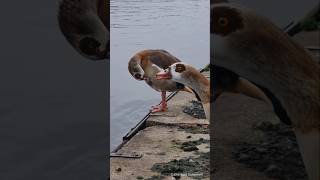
x=254, y=48
x=85, y=24
x=145, y=64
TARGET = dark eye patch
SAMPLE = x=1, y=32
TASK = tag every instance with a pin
x=180, y=68
x=89, y=45
x=225, y=20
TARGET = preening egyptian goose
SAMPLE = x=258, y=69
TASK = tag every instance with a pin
x=85, y=24
x=191, y=77
x=254, y=48
x=145, y=64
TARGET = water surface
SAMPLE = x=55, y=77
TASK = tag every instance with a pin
x=178, y=26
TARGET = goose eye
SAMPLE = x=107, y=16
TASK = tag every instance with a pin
x=223, y=21
x=89, y=45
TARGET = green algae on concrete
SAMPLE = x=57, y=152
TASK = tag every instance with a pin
x=160, y=142
x=192, y=145
x=196, y=168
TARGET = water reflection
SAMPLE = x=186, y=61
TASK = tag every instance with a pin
x=178, y=26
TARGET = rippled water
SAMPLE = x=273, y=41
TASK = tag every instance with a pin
x=178, y=26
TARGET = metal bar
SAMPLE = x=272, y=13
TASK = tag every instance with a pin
x=295, y=27
x=133, y=156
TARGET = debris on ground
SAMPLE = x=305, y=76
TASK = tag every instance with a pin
x=277, y=155
x=196, y=168
x=195, y=110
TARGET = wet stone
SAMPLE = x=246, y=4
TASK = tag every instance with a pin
x=195, y=110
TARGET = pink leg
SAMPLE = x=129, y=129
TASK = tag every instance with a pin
x=162, y=106
x=164, y=101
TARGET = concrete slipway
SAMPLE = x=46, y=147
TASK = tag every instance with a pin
x=161, y=142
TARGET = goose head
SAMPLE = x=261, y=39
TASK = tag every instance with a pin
x=85, y=25
x=135, y=69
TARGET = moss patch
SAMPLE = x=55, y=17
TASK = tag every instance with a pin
x=196, y=168
x=192, y=145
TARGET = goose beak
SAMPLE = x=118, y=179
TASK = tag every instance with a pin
x=163, y=75
x=247, y=88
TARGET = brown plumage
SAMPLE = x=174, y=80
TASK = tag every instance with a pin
x=85, y=24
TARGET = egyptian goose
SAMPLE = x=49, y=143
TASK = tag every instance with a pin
x=85, y=24
x=145, y=64
x=253, y=47
x=191, y=77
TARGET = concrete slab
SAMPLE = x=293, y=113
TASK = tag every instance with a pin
x=310, y=40
x=157, y=144
x=162, y=142
x=235, y=116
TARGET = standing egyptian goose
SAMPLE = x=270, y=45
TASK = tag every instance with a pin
x=145, y=64
x=85, y=24
x=254, y=48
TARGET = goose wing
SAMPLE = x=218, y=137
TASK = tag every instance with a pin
x=162, y=58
